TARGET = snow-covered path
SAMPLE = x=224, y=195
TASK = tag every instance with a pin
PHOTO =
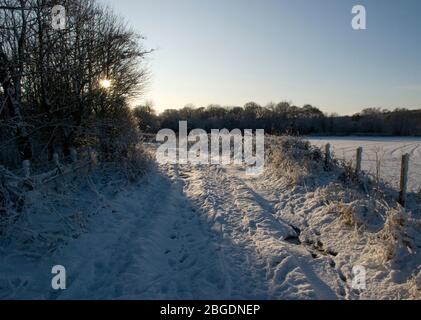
x=265, y=245
x=147, y=243
x=155, y=247
x=187, y=232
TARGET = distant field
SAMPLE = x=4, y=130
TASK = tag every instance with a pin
x=389, y=149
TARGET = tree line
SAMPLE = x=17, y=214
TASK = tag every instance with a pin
x=282, y=118
x=65, y=88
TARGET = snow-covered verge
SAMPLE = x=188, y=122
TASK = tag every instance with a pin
x=39, y=219
x=352, y=220
x=212, y=232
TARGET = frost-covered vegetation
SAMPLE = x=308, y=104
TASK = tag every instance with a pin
x=353, y=219
x=53, y=104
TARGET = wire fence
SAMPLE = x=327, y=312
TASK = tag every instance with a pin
x=395, y=171
x=383, y=167
x=33, y=175
x=373, y=161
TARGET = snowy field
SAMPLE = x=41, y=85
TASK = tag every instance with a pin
x=389, y=151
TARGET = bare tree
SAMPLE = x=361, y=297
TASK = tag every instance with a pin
x=51, y=79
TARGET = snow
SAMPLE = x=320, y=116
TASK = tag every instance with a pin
x=207, y=232
x=389, y=150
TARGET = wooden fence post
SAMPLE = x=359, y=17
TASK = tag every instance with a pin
x=93, y=158
x=327, y=156
x=73, y=154
x=26, y=168
x=56, y=160
x=359, y=160
x=404, y=179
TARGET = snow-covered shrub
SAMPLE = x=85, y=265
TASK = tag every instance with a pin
x=9, y=155
x=4, y=204
x=116, y=139
x=301, y=163
x=293, y=158
x=346, y=212
x=52, y=214
x=415, y=286
x=59, y=210
x=12, y=200
x=352, y=207
x=114, y=136
x=396, y=243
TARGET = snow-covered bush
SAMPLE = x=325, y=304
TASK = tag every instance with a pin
x=293, y=158
x=393, y=236
x=415, y=288
x=60, y=209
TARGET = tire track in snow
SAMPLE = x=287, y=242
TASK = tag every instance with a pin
x=246, y=281
x=287, y=271
x=180, y=255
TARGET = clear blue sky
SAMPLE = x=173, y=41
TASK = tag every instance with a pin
x=230, y=52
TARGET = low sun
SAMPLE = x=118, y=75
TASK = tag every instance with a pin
x=105, y=83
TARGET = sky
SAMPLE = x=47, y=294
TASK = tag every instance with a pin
x=230, y=52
